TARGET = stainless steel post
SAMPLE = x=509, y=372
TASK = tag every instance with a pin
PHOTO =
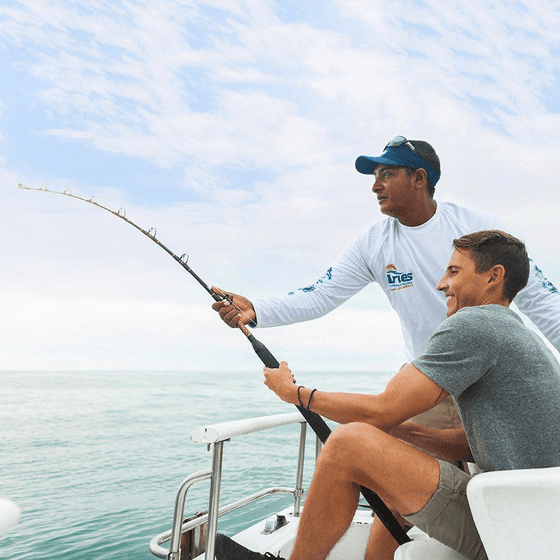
x=175, y=547
x=298, y=492
x=214, y=500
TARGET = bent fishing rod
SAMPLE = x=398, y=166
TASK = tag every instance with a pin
x=318, y=425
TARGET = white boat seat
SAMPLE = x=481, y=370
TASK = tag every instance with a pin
x=517, y=514
x=423, y=547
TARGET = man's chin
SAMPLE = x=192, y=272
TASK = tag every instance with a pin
x=386, y=210
x=451, y=311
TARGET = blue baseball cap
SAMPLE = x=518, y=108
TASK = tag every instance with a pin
x=400, y=151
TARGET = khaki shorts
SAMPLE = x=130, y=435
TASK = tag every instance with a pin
x=447, y=516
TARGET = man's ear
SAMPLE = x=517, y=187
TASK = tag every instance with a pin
x=496, y=275
x=421, y=177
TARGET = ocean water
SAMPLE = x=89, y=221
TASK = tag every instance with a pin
x=94, y=459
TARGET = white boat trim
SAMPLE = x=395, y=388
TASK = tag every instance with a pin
x=10, y=514
x=230, y=430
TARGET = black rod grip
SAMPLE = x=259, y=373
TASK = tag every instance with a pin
x=321, y=429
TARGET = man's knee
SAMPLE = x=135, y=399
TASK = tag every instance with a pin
x=348, y=441
x=355, y=433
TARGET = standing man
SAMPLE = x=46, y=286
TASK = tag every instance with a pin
x=481, y=356
x=404, y=253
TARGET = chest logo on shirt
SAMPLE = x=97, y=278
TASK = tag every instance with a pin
x=398, y=280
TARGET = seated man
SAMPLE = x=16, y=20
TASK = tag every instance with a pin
x=503, y=379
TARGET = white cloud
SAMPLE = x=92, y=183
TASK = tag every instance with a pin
x=262, y=116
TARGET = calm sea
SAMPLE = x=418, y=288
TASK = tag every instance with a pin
x=94, y=459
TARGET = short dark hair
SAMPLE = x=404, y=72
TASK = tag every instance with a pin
x=492, y=247
x=427, y=152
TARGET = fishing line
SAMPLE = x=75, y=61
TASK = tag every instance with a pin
x=182, y=260
x=317, y=424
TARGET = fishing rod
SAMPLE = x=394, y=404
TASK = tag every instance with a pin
x=318, y=425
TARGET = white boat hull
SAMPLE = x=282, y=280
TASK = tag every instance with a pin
x=351, y=546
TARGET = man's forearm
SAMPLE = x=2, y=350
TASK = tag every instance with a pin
x=407, y=394
x=450, y=444
x=345, y=407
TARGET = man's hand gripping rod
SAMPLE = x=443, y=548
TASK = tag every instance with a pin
x=318, y=425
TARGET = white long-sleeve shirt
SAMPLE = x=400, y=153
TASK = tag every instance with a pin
x=407, y=262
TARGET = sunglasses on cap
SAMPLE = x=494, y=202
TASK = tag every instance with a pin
x=399, y=141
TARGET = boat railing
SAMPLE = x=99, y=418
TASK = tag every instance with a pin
x=215, y=436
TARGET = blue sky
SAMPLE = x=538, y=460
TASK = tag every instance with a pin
x=232, y=127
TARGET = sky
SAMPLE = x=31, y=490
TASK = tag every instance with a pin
x=232, y=127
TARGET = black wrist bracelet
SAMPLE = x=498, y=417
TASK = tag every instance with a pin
x=310, y=397
x=298, y=396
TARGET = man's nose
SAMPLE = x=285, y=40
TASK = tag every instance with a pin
x=376, y=185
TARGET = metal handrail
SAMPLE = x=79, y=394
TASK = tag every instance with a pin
x=230, y=430
x=192, y=479
x=216, y=435
x=155, y=544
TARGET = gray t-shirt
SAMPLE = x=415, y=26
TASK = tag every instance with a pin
x=505, y=383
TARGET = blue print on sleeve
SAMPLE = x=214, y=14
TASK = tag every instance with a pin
x=326, y=276
x=546, y=284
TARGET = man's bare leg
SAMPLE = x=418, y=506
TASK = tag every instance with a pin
x=381, y=544
x=360, y=454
